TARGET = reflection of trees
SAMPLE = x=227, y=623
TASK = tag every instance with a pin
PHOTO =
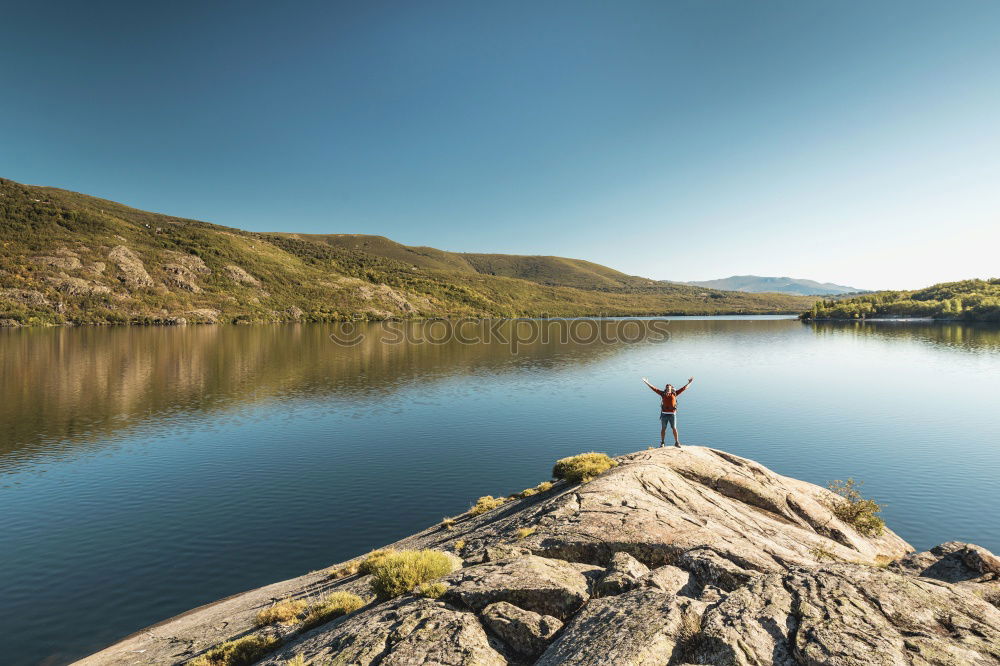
x=66, y=386
x=957, y=336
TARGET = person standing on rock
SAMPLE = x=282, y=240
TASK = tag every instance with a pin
x=668, y=407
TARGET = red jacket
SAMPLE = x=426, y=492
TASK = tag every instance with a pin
x=669, y=400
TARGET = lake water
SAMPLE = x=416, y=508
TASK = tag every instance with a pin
x=145, y=471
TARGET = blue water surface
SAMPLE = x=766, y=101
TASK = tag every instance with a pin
x=147, y=471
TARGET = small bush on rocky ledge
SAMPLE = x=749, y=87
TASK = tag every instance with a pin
x=286, y=611
x=582, y=468
x=486, y=503
x=332, y=606
x=459, y=546
x=448, y=523
x=855, y=510
x=396, y=572
x=239, y=652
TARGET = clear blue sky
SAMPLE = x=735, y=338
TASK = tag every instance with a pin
x=856, y=142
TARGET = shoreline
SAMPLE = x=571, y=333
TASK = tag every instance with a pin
x=183, y=321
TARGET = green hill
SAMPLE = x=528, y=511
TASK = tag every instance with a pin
x=70, y=258
x=968, y=300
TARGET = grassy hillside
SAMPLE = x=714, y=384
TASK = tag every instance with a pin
x=70, y=258
x=549, y=271
x=969, y=300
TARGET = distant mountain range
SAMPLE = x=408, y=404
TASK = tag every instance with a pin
x=67, y=258
x=781, y=285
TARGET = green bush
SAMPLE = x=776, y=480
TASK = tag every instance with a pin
x=855, y=510
x=582, y=468
x=397, y=572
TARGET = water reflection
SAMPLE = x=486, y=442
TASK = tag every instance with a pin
x=971, y=337
x=64, y=387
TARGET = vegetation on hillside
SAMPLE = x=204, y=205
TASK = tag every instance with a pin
x=67, y=258
x=968, y=300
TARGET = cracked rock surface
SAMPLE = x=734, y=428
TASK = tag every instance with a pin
x=675, y=556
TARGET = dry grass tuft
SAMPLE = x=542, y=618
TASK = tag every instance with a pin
x=448, y=523
x=459, y=546
x=582, y=468
x=544, y=486
x=486, y=503
x=344, y=570
x=526, y=532
x=431, y=590
x=238, y=652
x=365, y=563
x=286, y=611
x=395, y=573
x=332, y=606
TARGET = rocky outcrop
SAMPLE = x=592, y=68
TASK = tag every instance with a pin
x=237, y=274
x=849, y=614
x=132, y=270
x=182, y=277
x=675, y=556
x=539, y=584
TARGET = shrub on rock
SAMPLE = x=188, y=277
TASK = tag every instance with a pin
x=855, y=510
x=396, y=572
x=486, y=503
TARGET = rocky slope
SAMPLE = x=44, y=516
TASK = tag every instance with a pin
x=675, y=556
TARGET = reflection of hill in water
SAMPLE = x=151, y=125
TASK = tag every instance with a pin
x=971, y=337
x=65, y=387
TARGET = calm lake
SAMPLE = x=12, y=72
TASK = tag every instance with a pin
x=145, y=471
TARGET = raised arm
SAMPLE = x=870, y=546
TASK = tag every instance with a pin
x=684, y=388
x=646, y=382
